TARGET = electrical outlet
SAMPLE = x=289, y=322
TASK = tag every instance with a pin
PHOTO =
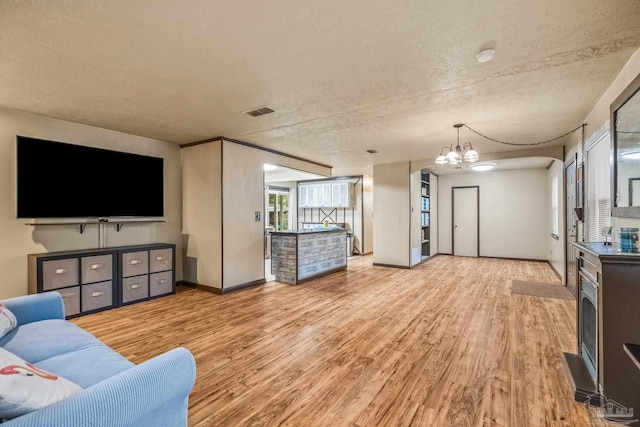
x=258, y=215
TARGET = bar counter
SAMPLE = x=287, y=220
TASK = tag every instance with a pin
x=301, y=255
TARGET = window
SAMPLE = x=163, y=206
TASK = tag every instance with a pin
x=598, y=213
x=554, y=206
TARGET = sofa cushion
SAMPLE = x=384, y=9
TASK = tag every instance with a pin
x=47, y=338
x=25, y=388
x=7, y=321
x=87, y=366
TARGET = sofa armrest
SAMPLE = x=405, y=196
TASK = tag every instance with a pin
x=32, y=308
x=154, y=393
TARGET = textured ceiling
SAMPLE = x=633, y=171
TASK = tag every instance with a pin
x=342, y=76
x=284, y=174
x=499, y=165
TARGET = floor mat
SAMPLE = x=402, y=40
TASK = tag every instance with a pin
x=537, y=289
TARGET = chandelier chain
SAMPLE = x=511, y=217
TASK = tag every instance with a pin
x=526, y=143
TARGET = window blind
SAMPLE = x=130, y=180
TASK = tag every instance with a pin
x=598, y=186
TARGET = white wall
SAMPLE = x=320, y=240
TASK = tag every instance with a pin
x=513, y=212
x=17, y=240
x=391, y=204
x=557, y=247
x=202, y=210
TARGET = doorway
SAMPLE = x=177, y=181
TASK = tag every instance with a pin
x=571, y=270
x=278, y=209
x=465, y=217
x=277, y=219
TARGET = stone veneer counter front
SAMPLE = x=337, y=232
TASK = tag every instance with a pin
x=301, y=255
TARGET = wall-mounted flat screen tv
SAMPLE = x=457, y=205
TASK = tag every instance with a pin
x=59, y=180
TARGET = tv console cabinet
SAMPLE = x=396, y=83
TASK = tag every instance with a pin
x=93, y=280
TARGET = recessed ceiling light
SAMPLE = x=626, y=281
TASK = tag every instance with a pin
x=269, y=167
x=632, y=155
x=483, y=167
x=485, y=55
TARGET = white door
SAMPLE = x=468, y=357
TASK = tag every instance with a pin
x=465, y=221
x=572, y=226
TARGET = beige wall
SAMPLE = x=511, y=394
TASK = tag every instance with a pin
x=17, y=240
x=228, y=221
x=243, y=195
x=513, y=212
x=202, y=210
x=391, y=214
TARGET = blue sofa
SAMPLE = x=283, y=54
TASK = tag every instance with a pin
x=116, y=391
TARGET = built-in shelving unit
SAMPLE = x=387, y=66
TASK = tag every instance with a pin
x=425, y=213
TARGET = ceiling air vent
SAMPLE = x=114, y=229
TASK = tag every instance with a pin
x=372, y=151
x=259, y=111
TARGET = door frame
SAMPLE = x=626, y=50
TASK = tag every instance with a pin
x=453, y=210
x=573, y=161
x=271, y=189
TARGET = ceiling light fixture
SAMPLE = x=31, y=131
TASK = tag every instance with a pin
x=455, y=156
x=483, y=167
x=632, y=155
x=269, y=167
x=485, y=55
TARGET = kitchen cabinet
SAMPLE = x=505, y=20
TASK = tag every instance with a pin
x=330, y=195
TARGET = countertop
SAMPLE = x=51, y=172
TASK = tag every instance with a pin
x=602, y=251
x=310, y=231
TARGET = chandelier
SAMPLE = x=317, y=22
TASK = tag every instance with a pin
x=455, y=156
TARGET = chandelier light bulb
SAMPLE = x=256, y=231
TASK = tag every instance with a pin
x=471, y=155
x=455, y=156
x=441, y=160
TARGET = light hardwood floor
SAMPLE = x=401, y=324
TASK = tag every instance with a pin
x=445, y=344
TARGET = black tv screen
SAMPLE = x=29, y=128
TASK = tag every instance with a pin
x=58, y=180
